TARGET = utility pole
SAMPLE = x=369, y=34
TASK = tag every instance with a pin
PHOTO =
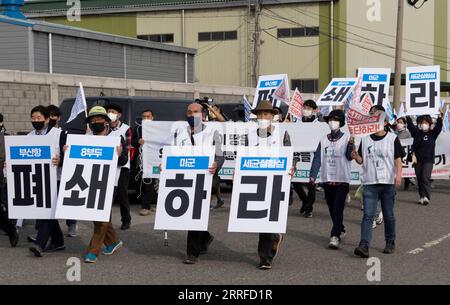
x=256, y=44
x=398, y=56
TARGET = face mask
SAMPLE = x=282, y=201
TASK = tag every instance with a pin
x=194, y=121
x=307, y=113
x=112, y=116
x=97, y=127
x=400, y=127
x=276, y=118
x=38, y=125
x=263, y=124
x=334, y=125
x=425, y=127
x=147, y=120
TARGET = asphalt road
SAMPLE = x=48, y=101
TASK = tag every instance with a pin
x=232, y=259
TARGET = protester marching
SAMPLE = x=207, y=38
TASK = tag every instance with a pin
x=178, y=167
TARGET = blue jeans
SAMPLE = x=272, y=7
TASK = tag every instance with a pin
x=385, y=193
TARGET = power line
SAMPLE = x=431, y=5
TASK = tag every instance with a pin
x=423, y=55
x=366, y=29
x=354, y=44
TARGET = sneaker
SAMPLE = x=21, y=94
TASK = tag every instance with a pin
x=204, y=249
x=308, y=214
x=31, y=239
x=319, y=189
x=190, y=260
x=374, y=224
x=220, y=203
x=426, y=201
x=390, y=247
x=153, y=210
x=90, y=258
x=54, y=248
x=343, y=234
x=36, y=250
x=276, y=245
x=379, y=219
x=264, y=265
x=421, y=201
x=144, y=212
x=362, y=251
x=125, y=226
x=73, y=230
x=14, y=239
x=109, y=250
x=334, y=243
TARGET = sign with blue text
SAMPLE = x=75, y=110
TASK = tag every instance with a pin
x=376, y=83
x=261, y=184
x=267, y=86
x=31, y=177
x=88, y=177
x=185, y=188
x=338, y=92
x=423, y=90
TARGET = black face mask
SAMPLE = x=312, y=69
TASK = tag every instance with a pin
x=38, y=125
x=97, y=127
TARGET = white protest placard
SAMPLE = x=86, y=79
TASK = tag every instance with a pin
x=267, y=85
x=337, y=92
x=376, y=83
x=234, y=135
x=441, y=168
x=156, y=135
x=423, y=90
x=260, y=198
x=88, y=177
x=361, y=124
x=185, y=188
x=31, y=176
x=296, y=106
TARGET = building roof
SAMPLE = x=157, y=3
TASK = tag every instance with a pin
x=39, y=8
x=41, y=26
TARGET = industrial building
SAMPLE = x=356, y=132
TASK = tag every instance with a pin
x=311, y=41
x=39, y=46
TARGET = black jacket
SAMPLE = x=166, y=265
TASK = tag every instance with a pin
x=424, y=142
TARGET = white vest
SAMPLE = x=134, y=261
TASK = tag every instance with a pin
x=378, y=160
x=203, y=138
x=276, y=138
x=335, y=165
x=122, y=131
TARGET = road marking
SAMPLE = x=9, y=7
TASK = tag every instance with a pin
x=429, y=244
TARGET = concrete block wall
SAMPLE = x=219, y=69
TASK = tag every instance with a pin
x=21, y=91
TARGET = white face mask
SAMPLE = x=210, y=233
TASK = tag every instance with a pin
x=425, y=127
x=112, y=116
x=276, y=118
x=307, y=113
x=263, y=124
x=334, y=125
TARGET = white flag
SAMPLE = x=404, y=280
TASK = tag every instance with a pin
x=79, y=105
